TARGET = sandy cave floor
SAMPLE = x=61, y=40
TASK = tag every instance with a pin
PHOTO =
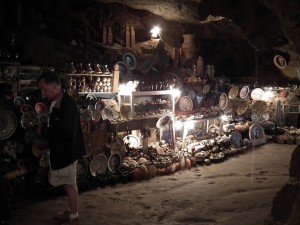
x=238, y=191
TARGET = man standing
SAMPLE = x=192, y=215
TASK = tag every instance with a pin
x=66, y=143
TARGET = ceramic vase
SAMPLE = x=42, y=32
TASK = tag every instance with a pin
x=188, y=47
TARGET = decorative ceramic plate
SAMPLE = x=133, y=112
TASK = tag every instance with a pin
x=40, y=107
x=206, y=89
x=130, y=60
x=81, y=169
x=233, y=92
x=123, y=68
x=26, y=108
x=259, y=107
x=8, y=124
x=19, y=101
x=223, y=101
x=254, y=118
x=91, y=97
x=244, y=92
x=163, y=121
x=266, y=116
x=29, y=119
x=279, y=61
x=114, y=162
x=236, y=138
x=132, y=141
x=192, y=94
x=98, y=165
x=257, y=93
x=256, y=132
x=185, y=103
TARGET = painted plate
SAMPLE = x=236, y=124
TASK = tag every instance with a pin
x=233, y=92
x=257, y=93
x=206, y=89
x=91, y=97
x=132, y=141
x=114, y=162
x=223, y=101
x=244, y=92
x=266, y=116
x=130, y=60
x=259, y=107
x=98, y=165
x=19, y=101
x=81, y=169
x=256, y=132
x=279, y=61
x=185, y=103
x=236, y=138
x=192, y=94
x=255, y=118
x=26, y=108
x=163, y=121
x=40, y=107
x=242, y=108
x=8, y=124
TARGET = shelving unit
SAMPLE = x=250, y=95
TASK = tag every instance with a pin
x=150, y=100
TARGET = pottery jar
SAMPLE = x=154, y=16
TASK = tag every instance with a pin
x=188, y=47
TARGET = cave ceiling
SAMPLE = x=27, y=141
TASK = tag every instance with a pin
x=239, y=37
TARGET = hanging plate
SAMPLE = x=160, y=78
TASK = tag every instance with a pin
x=236, y=138
x=279, y=61
x=244, y=92
x=114, y=162
x=163, y=121
x=130, y=60
x=81, y=169
x=206, y=89
x=257, y=93
x=185, y=103
x=233, y=92
x=132, y=141
x=91, y=97
x=223, y=101
x=19, y=101
x=26, y=108
x=256, y=132
x=40, y=107
x=8, y=124
x=259, y=107
x=98, y=165
x=123, y=68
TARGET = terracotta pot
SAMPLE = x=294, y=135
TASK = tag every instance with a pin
x=188, y=47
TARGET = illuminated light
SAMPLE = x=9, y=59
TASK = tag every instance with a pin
x=176, y=92
x=155, y=32
x=178, y=125
x=268, y=96
x=189, y=124
x=224, y=117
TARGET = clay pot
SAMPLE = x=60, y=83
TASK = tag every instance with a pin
x=188, y=164
x=188, y=47
x=138, y=174
x=151, y=171
x=182, y=163
x=193, y=161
